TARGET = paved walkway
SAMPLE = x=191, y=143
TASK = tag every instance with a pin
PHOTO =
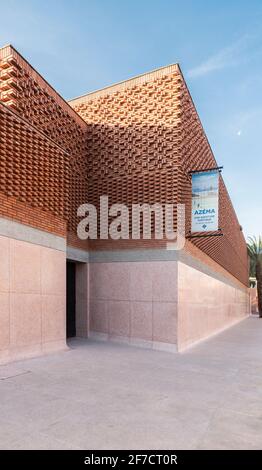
x=111, y=396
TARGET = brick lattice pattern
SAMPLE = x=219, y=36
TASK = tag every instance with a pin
x=145, y=136
x=134, y=141
x=25, y=92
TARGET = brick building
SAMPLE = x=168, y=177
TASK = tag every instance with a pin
x=136, y=142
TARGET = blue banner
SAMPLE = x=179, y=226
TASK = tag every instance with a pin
x=205, y=194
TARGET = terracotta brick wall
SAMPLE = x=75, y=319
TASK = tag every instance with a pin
x=13, y=209
x=34, y=183
x=144, y=137
x=134, y=141
x=228, y=250
x=26, y=92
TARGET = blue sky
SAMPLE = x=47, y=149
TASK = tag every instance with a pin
x=83, y=45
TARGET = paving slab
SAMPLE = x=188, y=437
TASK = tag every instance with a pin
x=100, y=395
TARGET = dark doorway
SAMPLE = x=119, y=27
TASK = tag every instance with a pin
x=70, y=299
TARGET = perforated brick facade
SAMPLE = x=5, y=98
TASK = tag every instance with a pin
x=33, y=169
x=144, y=137
x=31, y=98
x=135, y=141
x=229, y=250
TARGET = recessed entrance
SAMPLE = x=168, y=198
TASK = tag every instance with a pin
x=70, y=299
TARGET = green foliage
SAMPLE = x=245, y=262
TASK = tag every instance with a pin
x=254, y=248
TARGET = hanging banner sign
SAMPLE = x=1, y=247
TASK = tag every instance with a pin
x=205, y=194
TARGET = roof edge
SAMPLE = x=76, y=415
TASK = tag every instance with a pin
x=124, y=84
x=63, y=103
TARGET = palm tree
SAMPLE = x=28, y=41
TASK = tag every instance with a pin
x=254, y=247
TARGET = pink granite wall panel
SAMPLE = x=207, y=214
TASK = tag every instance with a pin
x=32, y=299
x=253, y=299
x=134, y=301
x=206, y=305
